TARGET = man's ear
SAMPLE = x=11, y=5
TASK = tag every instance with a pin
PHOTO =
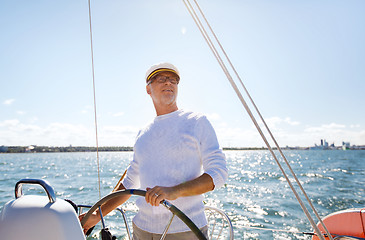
x=148, y=89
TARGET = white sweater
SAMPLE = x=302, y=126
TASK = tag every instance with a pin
x=174, y=148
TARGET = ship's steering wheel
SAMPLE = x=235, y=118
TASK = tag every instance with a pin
x=174, y=210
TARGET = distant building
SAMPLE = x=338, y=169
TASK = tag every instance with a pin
x=345, y=145
x=320, y=147
x=3, y=149
x=324, y=146
x=360, y=147
x=29, y=149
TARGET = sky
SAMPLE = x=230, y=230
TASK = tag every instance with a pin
x=303, y=63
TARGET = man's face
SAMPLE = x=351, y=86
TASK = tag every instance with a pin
x=163, y=88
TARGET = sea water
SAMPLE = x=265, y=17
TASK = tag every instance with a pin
x=255, y=195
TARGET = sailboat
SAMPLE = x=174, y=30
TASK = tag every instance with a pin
x=48, y=209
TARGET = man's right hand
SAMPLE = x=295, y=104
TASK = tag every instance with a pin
x=91, y=222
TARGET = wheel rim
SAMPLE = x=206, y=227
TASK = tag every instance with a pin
x=142, y=193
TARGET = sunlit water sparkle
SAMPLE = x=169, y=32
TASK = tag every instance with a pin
x=256, y=193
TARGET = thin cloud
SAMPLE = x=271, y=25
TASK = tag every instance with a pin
x=87, y=109
x=14, y=132
x=326, y=128
x=9, y=101
x=213, y=116
x=334, y=132
x=290, y=122
x=21, y=112
x=288, y=132
x=334, y=126
x=118, y=114
x=278, y=123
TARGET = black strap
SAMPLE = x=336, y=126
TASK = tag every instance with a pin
x=106, y=235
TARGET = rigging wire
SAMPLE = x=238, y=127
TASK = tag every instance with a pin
x=221, y=62
x=94, y=94
x=262, y=119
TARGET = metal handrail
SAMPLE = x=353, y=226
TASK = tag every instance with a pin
x=225, y=221
x=45, y=184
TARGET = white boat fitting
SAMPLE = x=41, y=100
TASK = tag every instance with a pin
x=39, y=217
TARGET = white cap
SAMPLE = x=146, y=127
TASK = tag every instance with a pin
x=161, y=67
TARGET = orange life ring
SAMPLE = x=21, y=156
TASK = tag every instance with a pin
x=350, y=222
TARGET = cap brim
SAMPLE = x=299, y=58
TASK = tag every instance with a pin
x=157, y=71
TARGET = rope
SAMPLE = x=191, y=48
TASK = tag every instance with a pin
x=120, y=180
x=94, y=94
x=229, y=77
